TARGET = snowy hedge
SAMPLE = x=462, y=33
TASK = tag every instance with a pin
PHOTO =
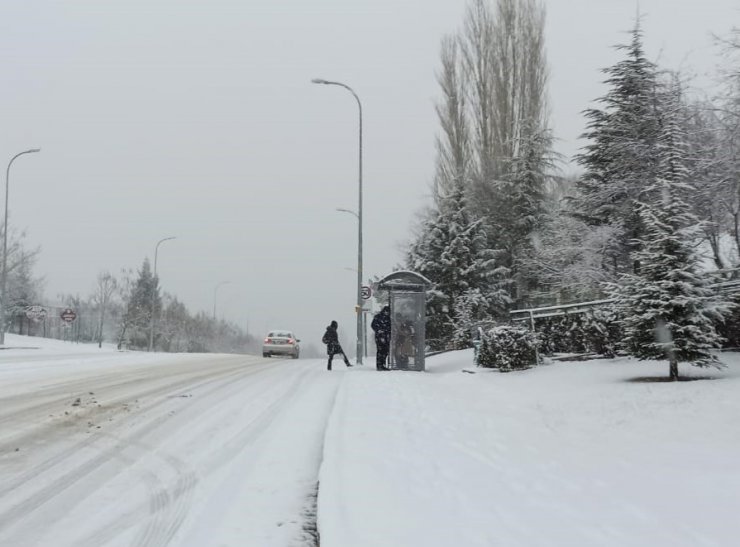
x=594, y=332
x=729, y=329
x=508, y=348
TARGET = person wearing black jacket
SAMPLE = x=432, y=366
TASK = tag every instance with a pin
x=331, y=339
x=382, y=326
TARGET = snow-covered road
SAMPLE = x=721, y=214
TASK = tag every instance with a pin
x=122, y=449
x=101, y=448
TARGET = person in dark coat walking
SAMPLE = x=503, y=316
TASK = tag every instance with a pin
x=382, y=326
x=331, y=339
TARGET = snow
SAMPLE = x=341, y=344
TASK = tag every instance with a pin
x=570, y=453
x=565, y=454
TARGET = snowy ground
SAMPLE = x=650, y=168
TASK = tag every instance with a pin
x=203, y=450
x=569, y=454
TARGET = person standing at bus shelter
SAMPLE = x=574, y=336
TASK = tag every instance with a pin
x=382, y=326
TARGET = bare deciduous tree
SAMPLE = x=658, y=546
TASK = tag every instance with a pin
x=453, y=145
x=104, y=290
x=505, y=64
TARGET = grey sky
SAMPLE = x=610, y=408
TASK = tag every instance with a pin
x=198, y=119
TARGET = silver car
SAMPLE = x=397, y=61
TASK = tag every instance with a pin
x=281, y=342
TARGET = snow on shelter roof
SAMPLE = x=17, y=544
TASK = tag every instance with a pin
x=404, y=280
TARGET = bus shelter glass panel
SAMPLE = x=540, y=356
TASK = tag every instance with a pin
x=407, y=330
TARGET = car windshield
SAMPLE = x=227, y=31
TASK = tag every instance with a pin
x=280, y=334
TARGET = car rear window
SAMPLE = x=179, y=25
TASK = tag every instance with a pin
x=280, y=334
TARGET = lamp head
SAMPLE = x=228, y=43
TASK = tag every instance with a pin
x=319, y=81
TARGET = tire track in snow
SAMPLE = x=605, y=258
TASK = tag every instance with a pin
x=110, y=407
x=50, y=491
x=59, y=396
x=167, y=510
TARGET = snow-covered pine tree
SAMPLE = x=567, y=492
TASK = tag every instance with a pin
x=453, y=254
x=621, y=154
x=23, y=287
x=521, y=210
x=139, y=306
x=667, y=309
x=471, y=310
x=423, y=257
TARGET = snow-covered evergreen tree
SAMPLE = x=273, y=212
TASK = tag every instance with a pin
x=667, y=309
x=620, y=159
x=144, y=292
x=472, y=309
x=452, y=252
x=423, y=258
x=521, y=211
x=23, y=288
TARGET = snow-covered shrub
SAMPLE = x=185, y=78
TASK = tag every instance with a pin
x=601, y=331
x=729, y=328
x=546, y=332
x=508, y=348
x=576, y=335
x=596, y=331
x=563, y=334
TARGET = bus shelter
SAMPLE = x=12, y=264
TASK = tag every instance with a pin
x=407, y=299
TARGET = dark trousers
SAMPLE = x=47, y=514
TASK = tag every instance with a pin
x=381, y=356
x=331, y=356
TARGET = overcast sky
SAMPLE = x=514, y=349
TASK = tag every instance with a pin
x=197, y=119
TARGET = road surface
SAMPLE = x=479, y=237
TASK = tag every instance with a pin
x=162, y=450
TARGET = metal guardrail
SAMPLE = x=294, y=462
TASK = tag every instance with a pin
x=552, y=311
x=724, y=287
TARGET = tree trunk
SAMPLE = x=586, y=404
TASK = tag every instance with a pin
x=100, y=327
x=714, y=244
x=736, y=230
x=674, y=367
x=123, y=334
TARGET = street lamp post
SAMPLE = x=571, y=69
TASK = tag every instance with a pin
x=359, y=218
x=215, y=291
x=154, y=292
x=5, y=244
x=363, y=320
x=349, y=211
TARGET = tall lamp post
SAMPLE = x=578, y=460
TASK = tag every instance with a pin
x=215, y=292
x=363, y=319
x=154, y=292
x=358, y=307
x=5, y=243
